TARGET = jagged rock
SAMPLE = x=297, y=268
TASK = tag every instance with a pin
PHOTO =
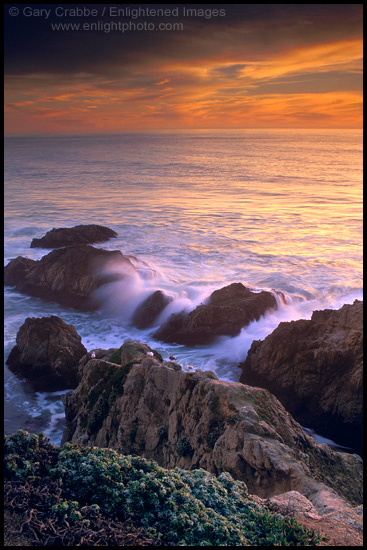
x=193, y=420
x=227, y=311
x=69, y=275
x=147, y=312
x=315, y=368
x=68, y=236
x=47, y=354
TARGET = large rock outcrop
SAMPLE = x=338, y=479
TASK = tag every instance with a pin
x=69, y=236
x=315, y=368
x=47, y=353
x=227, y=311
x=69, y=276
x=193, y=420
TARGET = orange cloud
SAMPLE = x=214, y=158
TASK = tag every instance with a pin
x=209, y=93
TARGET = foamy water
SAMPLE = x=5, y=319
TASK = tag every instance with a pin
x=271, y=209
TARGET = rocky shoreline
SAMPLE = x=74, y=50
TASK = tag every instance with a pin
x=133, y=401
x=315, y=368
x=76, y=274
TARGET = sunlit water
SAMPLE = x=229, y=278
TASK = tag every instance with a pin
x=271, y=209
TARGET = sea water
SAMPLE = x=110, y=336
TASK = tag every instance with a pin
x=272, y=209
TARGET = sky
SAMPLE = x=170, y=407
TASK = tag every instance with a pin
x=120, y=67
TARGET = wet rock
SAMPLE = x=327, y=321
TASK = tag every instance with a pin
x=147, y=312
x=69, y=276
x=315, y=368
x=69, y=236
x=227, y=311
x=47, y=354
x=16, y=270
x=193, y=420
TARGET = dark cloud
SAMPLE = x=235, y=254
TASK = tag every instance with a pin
x=229, y=72
x=255, y=30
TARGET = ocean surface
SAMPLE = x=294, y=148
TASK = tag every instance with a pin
x=273, y=209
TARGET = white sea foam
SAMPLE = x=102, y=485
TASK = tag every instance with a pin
x=279, y=213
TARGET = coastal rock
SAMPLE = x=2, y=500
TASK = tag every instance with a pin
x=227, y=311
x=16, y=270
x=69, y=276
x=69, y=236
x=315, y=368
x=147, y=312
x=132, y=352
x=193, y=420
x=47, y=354
x=342, y=525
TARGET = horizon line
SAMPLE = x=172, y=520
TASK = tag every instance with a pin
x=168, y=130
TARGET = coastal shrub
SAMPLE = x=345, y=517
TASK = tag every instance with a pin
x=177, y=507
x=216, y=429
x=116, y=356
x=67, y=510
x=184, y=447
x=163, y=430
x=27, y=454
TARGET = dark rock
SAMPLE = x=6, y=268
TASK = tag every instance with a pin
x=227, y=311
x=47, y=354
x=150, y=309
x=69, y=236
x=69, y=276
x=315, y=368
x=16, y=270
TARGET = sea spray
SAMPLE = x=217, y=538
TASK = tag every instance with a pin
x=202, y=212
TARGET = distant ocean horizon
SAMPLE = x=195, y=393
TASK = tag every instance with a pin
x=273, y=209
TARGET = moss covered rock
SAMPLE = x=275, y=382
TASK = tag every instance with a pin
x=193, y=420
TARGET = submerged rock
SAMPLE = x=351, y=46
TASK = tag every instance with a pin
x=69, y=236
x=69, y=276
x=47, y=354
x=147, y=312
x=193, y=420
x=227, y=311
x=315, y=368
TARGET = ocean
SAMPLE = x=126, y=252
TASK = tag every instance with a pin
x=273, y=209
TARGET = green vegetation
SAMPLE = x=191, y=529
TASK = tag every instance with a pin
x=184, y=447
x=116, y=356
x=175, y=507
x=103, y=394
x=338, y=471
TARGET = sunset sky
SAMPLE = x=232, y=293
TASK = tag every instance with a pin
x=221, y=66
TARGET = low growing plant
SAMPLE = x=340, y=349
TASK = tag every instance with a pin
x=176, y=507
